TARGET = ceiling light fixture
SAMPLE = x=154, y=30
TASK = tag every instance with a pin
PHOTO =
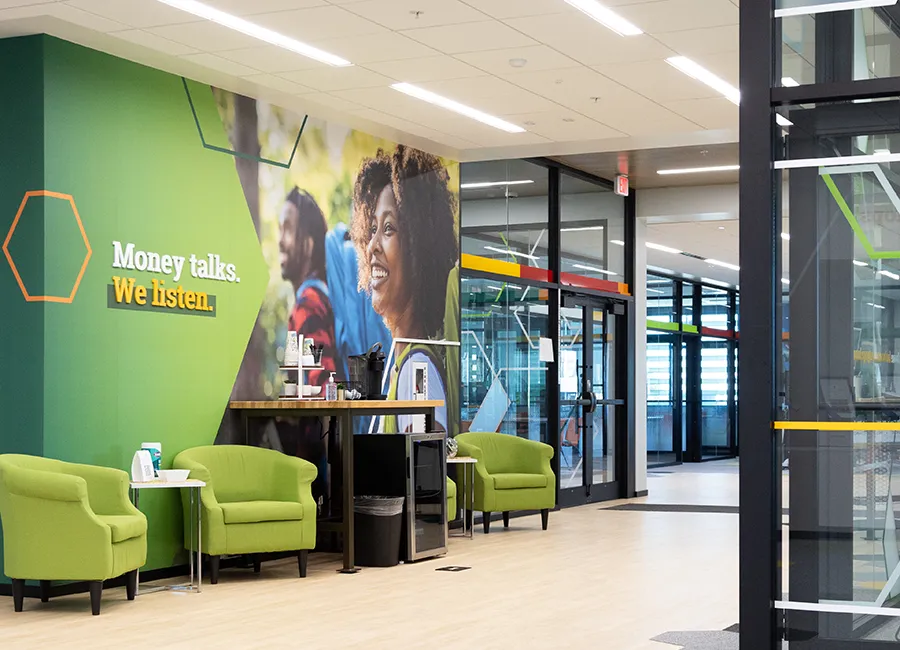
x=617, y=242
x=835, y=161
x=456, y=107
x=475, y=186
x=858, y=263
x=581, y=229
x=785, y=236
x=255, y=31
x=509, y=252
x=606, y=17
x=724, y=265
x=593, y=269
x=789, y=82
x=888, y=274
x=828, y=7
x=876, y=306
x=699, y=170
x=781, y=120
x=785, y=281
x=701, y=74
x=664, y=249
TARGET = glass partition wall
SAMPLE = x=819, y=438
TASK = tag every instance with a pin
x=547, y=317
x=691, y=371
x=820, y=416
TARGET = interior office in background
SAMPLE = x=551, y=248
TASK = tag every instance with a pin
x=692, y=351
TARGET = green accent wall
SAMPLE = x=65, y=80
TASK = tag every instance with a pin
x=80, y=381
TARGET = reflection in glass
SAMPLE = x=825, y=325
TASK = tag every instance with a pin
x=592, y=230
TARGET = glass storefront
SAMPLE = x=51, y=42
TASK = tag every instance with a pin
x=691, y=371
x=546, y=300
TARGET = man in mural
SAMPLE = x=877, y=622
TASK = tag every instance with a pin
x=301, y=244
x=404, y=231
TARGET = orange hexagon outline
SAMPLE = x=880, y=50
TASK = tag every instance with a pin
x=12, y=264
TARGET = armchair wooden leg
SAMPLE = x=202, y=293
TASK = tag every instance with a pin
x=45, y=591
x=545, y=518
x=96, y=588
x=214, y=569
x=18, y=591
x=302, y=558
x=469, y=515
x=486, y=522
x=257, y=564
x=506, y=519
x=131, y=584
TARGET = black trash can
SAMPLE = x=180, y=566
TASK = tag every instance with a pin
x=379, y=526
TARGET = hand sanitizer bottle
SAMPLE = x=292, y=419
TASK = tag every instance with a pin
x=331, y=389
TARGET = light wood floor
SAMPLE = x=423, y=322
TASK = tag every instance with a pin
x=600, y=580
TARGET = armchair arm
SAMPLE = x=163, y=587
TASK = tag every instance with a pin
x=213, y=519
x=293, y=478
x=107, y=489
x=534, y=455
x=39, y=484
x=484, y=484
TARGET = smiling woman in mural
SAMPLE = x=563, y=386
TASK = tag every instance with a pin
x=404, y=231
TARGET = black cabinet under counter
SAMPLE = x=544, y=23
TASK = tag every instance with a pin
x=414, y=466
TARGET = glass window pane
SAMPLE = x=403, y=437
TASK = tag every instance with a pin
x=592, y=224
x=660, y=299
x=504, y=211
x=715, y=308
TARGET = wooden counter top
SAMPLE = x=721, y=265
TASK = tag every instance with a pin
x=357, y=404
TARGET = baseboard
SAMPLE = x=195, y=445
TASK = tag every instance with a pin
x=640, y=493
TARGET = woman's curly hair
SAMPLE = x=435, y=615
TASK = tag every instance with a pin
x=427, y=210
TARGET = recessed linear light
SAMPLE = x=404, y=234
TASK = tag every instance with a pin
x=858, y=263
x=785, y=281
x=889, y=274
x=606, y=17
x=724, y=265
x=255, y=31
x=781, y=120
x=789, y=82
x=456, y=107
x=701, y=74
x=617, y=242
x=495, y=288
x=828, y=7
x=664, y=249
x=510, y=252
x=475, y=186
x=876, y=306
x=698, y=170
x=593, y=269
x=785, y=236
x=581, y=229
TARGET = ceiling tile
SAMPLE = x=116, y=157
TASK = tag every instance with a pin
x=154, y=42
x=402, y=14
x=696, y=42
x=318, y=23
x=249, y=7
x=205, y=36
x=372, y=48
x=407, y=126
x=85, y=18
x=269, y=58
x=657, y=80
x=9, y=4
x=332, y=79
x=279, y=83
x=587, y=41
x=678, y=15
x=516, y=8
x=218, y=63
x=563, y=125
x=470, y=37
x=326, y=99
x=714, y=113
x=429, y=68
x=135, y=13
x=490, y=94
x=535, y=57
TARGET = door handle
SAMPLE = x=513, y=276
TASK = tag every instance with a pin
x=588, y=401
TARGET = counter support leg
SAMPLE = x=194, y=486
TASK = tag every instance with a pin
x=346, y=425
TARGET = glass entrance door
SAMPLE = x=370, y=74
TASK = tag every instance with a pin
x=591, y=408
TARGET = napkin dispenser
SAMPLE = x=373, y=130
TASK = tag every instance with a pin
x=141, y=466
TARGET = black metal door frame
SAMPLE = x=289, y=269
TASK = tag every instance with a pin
x=588, y=492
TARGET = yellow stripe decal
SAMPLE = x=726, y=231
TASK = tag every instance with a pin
x=837, y=426
x=487, y=265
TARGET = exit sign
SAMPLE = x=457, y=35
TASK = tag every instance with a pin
x=622, y=185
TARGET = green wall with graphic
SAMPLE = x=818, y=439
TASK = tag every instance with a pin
x=82, y=377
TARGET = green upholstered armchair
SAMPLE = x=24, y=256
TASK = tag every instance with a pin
x=512, y=473
x=451, y=499
x=255, y=501
x=63, y=521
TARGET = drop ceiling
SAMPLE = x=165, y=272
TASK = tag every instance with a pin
x=574, y=85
